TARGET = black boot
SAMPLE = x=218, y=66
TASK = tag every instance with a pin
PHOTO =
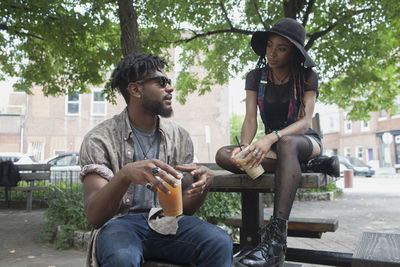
x=272, y=249
x=324, y=164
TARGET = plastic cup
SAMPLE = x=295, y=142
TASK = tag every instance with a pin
x=253, y=172
x=172, y=203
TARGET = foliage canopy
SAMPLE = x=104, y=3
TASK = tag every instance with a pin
x=66, y=45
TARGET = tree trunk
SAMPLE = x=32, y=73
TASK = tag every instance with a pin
x=293, y=7
x=130, y=39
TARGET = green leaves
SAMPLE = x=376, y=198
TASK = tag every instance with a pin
x=219, y=206
x=69, y=45
x=64, y=215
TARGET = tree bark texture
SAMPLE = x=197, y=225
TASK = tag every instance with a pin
x=130, y=39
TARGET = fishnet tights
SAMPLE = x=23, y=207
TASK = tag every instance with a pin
x=291, y=150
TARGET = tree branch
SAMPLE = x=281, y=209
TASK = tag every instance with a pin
x=198, y=35
x=259, y=15
x=225, y=14
x=314, y=36
x=4, y=27
x=308, y=11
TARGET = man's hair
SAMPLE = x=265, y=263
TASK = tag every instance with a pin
x=134, y=67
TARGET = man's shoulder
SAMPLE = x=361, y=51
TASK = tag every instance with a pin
x=171, y=127
x=111, y=125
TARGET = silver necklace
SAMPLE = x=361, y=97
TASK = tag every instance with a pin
x=276, y=78
x=149, y=137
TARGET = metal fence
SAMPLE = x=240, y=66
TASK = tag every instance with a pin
x=68, y=177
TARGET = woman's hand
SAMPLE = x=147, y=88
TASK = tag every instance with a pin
x=259, y=149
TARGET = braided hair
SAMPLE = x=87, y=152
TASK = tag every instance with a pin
x=134, y=67
x=298, y=75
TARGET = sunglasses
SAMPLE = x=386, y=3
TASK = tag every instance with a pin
x=162, y=81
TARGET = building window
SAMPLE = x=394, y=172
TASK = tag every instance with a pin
x=99, y=104
x=382, y=115
x=36, y=149
x=347, y=126
x=347, y=151
x=364, y=126
x=359, y=152
x=73, y=104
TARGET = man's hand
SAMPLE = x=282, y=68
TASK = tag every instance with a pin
x=150, y=173
x=204, y=179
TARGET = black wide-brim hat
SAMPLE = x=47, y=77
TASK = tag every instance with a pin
x=288, y=28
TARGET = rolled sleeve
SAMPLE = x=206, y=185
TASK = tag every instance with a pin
x=93, y=159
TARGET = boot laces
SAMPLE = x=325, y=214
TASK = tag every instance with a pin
x=268, y=234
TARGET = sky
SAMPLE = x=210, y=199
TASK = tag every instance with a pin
x=5, y=90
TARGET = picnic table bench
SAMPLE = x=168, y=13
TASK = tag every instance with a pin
x=252, y=217
x=31, y=173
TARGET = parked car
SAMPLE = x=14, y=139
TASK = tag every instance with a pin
x=17, y=158
x=64, y=166
x=359, y=168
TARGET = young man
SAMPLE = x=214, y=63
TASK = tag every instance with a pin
x=120, y=159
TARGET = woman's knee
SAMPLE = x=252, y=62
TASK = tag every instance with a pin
x=223, y=159
x=287, y=144
x=223, y=153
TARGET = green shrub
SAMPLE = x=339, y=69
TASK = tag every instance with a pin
x=217, y=207
x=64, y=215
x=337, y=191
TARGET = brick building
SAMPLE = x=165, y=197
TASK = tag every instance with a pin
x=376, y=141
x=45, y=126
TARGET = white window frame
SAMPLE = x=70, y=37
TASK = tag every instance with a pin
x=93, y=102
x=359, y=151
x=347, y=151
x=363, y=127
x=38, y=154
x=346, y=123
x=382, y=118
x=73, y=102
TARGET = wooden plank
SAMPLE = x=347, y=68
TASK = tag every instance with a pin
x=301, y=224
x=377, y=250
x=225, y=181
x=33, y=167
x=252, y=218
x=30, y=176
x=211, y=166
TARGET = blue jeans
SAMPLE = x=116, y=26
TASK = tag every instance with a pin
x=128, y=241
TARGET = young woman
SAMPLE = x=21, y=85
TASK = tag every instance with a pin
x=285, y=88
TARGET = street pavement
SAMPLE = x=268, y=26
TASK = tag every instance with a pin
x=372, y=205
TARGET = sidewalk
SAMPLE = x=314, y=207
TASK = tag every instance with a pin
x=20, y=245
x=371, y=205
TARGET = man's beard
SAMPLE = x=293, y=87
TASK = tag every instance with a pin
x=157, y=107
